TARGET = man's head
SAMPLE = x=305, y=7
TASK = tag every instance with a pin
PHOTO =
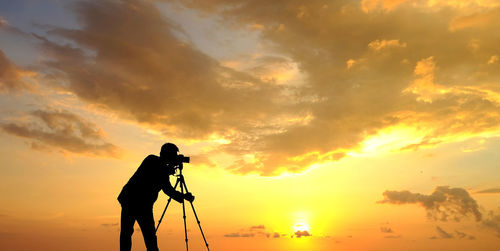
x=168, y=152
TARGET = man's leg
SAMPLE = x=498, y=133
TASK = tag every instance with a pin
x=147, y=224
x=126, y=229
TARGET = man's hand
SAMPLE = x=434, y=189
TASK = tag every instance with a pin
x=189, y=197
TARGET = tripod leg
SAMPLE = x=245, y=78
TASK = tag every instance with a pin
x=184, y=215
x=164, y=210
x=196, y=216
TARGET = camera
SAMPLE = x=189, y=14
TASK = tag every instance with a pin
x=182, y=159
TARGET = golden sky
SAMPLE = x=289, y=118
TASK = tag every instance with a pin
x=311, y=125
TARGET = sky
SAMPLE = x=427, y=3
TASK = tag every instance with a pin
x=311, y=125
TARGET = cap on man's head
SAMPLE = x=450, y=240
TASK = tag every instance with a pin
x=169, y=147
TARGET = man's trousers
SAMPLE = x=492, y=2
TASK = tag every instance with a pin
x=143, y=216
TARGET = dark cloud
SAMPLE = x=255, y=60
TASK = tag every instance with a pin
x=64, y=131
x=110, y=224
x=13, y=78
x=492, y=222
x=233, y=235
x=258, y=227
x=462, y=235
x=443, y=204
x=392, y=236
x=385, y=229
x=443, y=234
x=302, y=233
x=253, y=231
x=490, y=190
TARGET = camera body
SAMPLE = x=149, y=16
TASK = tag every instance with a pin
x=179, y=159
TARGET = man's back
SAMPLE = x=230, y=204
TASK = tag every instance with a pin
x=143, y=187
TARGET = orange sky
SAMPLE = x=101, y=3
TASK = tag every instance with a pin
x=311, y=125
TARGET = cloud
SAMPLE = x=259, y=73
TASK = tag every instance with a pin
x=232, y=235
x=480, y=19
x=437, y=86
x=5, y=26
x=442, y=97
x=492, y=222
x=462, y=235
x=371, y=5
x=424, y=85
x=493, y=59
x=447, y=203
x=110, y=224
x=446, y=235
x=12, y=78
x=378, y=45
x=385, y=229
x=245, y=235
x=63, y=130
x=258, y=227
x=490, y=190
x=170, y=85
x=429, y=5
x=443, y=234
x=253, y=231
x=443, y=204
x=302, y=233
x=3, y=22
x=392, y=236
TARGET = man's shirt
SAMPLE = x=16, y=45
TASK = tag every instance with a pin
x=143, y=187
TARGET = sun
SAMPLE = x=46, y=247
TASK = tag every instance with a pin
x=301, y=227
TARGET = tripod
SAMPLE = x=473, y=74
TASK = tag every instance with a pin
x=180, y=181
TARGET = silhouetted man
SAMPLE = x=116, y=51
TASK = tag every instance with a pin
x=140, y=193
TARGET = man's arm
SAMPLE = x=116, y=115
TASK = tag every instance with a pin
x=170, y=191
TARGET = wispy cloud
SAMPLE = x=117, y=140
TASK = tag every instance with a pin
x=62, y=130
x=443, y=234
x=258, y=227
x=489, y=190
x=13, y=78
x=254, y=231
x=236, y=235
x=392, y=236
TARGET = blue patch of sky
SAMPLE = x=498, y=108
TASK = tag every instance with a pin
x=32, y=16
x=210, y=34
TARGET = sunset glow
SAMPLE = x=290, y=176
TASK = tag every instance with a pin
x=301, y=227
